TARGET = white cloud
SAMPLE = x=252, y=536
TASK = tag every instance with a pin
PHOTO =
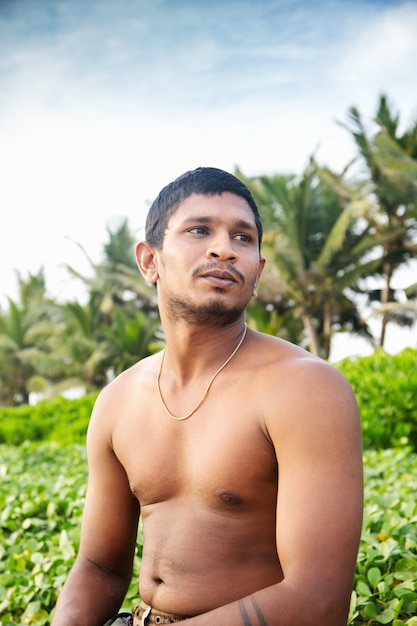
x=386, y=44
x=381, y=58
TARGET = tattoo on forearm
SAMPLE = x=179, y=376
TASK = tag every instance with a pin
x=258, y=611
x=245, y=616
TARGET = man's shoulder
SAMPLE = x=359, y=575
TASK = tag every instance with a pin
x=290, y=371
x=127, y=386
x=139, y=372
x=277, y=352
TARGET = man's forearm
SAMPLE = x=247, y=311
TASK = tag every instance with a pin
x=90, y=596
x=278, y=605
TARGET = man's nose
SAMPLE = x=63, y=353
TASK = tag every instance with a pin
x=222, y=248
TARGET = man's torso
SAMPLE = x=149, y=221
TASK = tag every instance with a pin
x=207, y=487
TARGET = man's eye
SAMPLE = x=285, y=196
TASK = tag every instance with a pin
x=198, y=230
x=243, y=237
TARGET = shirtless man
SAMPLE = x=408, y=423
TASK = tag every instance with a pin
x=241, y=451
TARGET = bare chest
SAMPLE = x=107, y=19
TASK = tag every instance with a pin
x=218, y=458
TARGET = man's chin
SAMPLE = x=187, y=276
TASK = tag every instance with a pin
x=213, y=312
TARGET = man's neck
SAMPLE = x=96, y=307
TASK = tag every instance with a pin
x=194, y=350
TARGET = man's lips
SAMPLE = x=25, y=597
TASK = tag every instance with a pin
x=219, y=276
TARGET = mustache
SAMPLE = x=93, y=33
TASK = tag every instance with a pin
x=208, y=267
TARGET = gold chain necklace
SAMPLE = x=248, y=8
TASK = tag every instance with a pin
x=200, y=402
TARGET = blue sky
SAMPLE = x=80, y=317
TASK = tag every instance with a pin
x=104, y=102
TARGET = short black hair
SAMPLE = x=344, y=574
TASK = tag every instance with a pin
x=206, y=181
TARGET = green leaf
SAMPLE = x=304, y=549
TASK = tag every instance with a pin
x=386, y=617
x=363, y=589
x=370, y=610
x=406, y=569
x=374, y=576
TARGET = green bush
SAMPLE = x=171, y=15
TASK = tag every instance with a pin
x=42, y=489
x=386, y=390
x=385, y=590
x=60, y=419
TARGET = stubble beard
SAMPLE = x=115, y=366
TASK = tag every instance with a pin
x=212, y=313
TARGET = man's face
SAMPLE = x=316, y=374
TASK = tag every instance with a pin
x=209, y=263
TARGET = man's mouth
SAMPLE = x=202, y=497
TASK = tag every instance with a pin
x=219, y=278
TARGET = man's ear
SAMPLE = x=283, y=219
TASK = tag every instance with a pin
x=258, y=276
x=262, y=262
x=147, y=262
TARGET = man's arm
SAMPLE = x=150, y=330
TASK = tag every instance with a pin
x=315, y=429
x=98, y=582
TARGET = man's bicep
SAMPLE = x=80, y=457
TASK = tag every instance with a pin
x=111, y=512
x=319, y=504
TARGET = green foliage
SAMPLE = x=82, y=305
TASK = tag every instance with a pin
x=24, y=329
x=42, y=488
x=385, y=590
x=316, y=241
x=41, y=499
x=42, y=493
x=49, y=347
x=386, y=391
x=390, y=172
x=61, y=420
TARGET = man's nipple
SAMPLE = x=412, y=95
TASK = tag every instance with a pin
x=229, y=498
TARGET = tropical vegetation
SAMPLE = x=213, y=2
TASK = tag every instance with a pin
x=329, y=239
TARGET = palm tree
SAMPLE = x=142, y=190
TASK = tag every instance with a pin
x=117, y=325
x=389, y=158
x=115, y=279
x=131, y=337
x=87, y=349
x=79, y=342
x=317, y=248
x=405, y=312
x=48, y=347
x=23, y=331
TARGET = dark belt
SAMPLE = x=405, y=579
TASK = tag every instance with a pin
x=144, y=615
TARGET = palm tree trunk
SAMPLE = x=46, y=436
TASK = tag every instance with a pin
x=327, y=333
x=313, y=340
x=385, y=291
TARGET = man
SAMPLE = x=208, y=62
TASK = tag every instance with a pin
x=241, y=451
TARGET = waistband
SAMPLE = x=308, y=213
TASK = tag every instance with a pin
x=145, y=614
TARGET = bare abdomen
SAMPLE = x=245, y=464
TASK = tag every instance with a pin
x=195, y=559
